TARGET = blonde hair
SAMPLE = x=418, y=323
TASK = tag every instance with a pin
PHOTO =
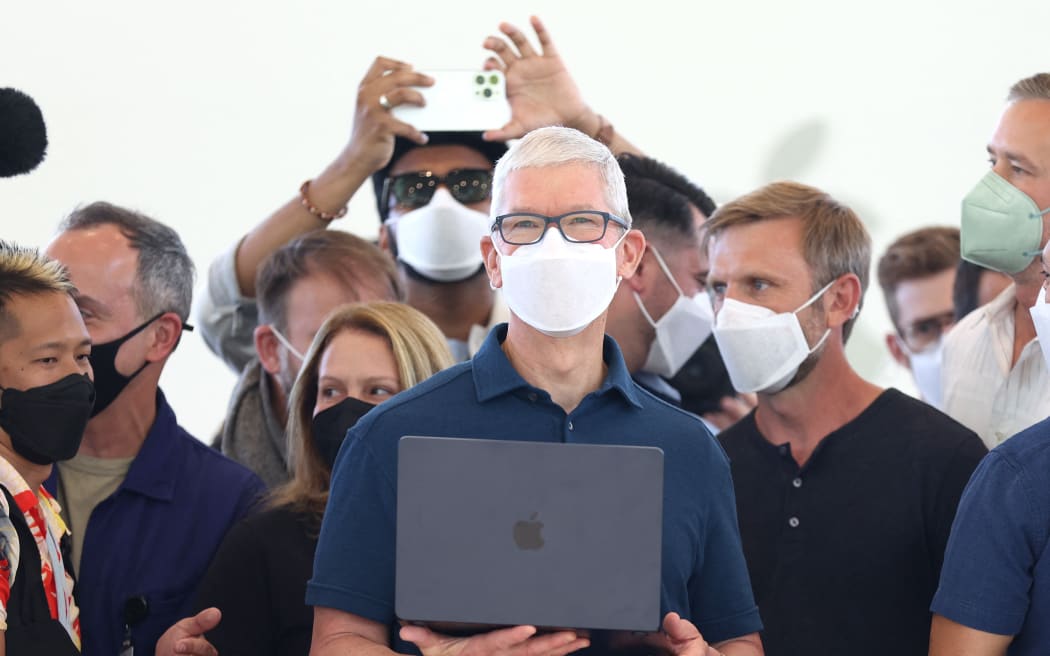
x=1036, y=87
x=420, y=351
x=27, y=272
x=834, y=241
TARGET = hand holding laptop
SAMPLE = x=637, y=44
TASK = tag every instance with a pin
x=515, y=640
x=678, y=638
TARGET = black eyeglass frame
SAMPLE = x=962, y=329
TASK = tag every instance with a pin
x=432, y=182
x=938, y=324
x=497, y=225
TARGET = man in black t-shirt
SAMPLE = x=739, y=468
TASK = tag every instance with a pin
x=845, y=492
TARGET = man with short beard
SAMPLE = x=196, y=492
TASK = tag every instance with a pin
x=845, y=491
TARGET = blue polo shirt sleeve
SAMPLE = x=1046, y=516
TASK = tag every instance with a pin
x=999, y=532
x=354, y=562
x=723, y=604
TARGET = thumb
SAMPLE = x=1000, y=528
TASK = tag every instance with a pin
x=421, y=636
x=678, y=629
x=511, y=130
x=201, y=623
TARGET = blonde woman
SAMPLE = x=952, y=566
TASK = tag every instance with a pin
x=362, y=355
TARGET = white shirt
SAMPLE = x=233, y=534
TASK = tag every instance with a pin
x=981, y=390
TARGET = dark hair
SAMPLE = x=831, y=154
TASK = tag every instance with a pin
x=660, y=199
x=27, y=272
x=349, y=258
x=164, y=278
x=490, y=150
x=917, y=254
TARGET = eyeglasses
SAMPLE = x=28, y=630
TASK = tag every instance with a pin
x=415, y=189
x=923, y=332
x=583, y=227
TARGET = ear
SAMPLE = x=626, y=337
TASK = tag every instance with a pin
x=896, y=351
x=631, y=250
x=647, y=271
x=490, y=256
x=266, y=347
x=165, y=333
x=842, y=299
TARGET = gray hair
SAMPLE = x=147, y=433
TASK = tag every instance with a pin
x=1036, y=87
x=165, y=272
x=558, y=146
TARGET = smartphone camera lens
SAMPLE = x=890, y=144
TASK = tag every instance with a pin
x=479, y=79
x=494, y=79
x=487, y=92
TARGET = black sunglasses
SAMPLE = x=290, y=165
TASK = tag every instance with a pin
x=412, y=190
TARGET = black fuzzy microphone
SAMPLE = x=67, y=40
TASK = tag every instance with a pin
x=23, y=137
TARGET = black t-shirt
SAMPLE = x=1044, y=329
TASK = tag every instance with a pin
x=258, y=580
x=845, y=553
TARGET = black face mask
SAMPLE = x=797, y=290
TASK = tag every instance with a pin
x=330, y=426
x=46, y=423
x=703, y=380
x=109, y=382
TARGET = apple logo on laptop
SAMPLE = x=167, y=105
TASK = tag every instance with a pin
x=527, y=533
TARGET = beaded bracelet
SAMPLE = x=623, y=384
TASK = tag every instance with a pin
x=312, y=209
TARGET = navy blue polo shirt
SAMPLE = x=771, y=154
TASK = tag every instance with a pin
x=996, y=574
x=155, y=536
x=704, y=576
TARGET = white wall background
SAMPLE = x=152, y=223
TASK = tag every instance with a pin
x=208, y=115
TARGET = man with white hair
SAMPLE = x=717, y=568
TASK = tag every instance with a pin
x=560, y=241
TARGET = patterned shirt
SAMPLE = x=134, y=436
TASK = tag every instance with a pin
x=41, y=514
x=982, y=389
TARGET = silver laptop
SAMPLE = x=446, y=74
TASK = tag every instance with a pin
x=493, y=532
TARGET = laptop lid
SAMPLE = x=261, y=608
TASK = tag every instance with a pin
x=498, y=532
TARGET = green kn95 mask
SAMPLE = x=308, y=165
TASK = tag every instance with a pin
x=1001, y=226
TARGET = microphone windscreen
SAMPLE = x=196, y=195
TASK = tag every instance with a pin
x=23, y=136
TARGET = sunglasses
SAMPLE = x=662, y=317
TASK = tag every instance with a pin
x=412, y=190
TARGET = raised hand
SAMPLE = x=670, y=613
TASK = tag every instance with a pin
x=539, y=88
x=387, y=84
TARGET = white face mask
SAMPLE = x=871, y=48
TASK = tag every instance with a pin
x=1041, y=317
x=681, y=330
x=442, y=239
x=926, y=368
x=559, y=287
x=762, y=350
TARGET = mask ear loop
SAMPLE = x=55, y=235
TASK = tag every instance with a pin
x=665, y=269
x=286, y=344
x=667, y=273
x=813, y=298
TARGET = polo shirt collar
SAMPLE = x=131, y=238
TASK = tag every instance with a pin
x=495, y=376
x=153, y=472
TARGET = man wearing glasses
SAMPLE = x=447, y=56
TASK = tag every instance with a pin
x=560, y=242
x=917, y=275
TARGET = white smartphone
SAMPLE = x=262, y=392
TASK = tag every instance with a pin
x=459, y=101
